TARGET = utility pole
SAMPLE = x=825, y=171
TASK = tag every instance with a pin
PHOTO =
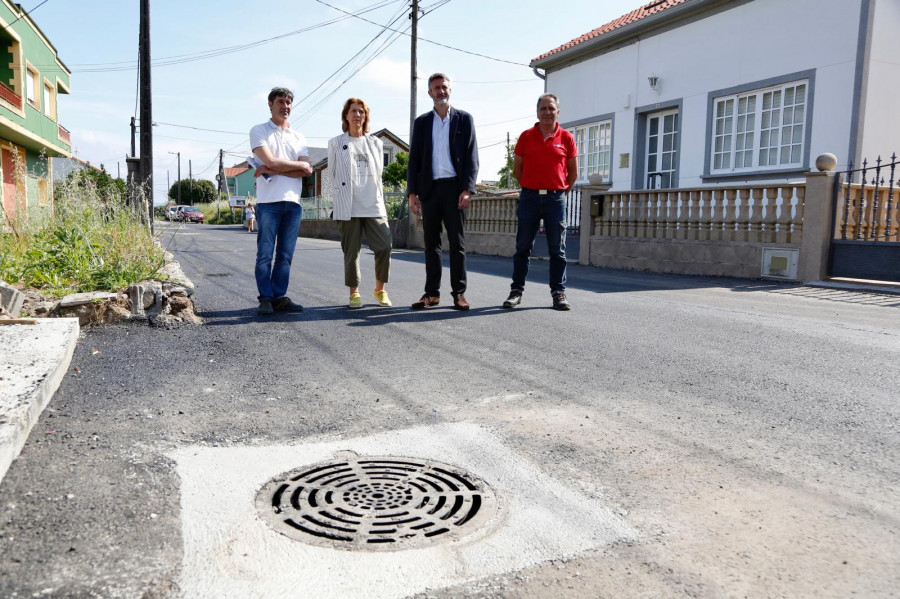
x=414, y=15
x=221, y=178
x=133, y=126
x=178, y=180
x=146, y=109
x=190, y=179
x=508, y=165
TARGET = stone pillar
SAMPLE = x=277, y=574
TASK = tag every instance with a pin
x=817, y=221
x=587, y=221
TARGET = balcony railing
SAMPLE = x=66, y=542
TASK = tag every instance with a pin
x=64, y=134
x=10, y=96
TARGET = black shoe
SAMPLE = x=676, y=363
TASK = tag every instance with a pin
x=284, y=304
x=265, y=308
x=559, y=301
x=514, y=299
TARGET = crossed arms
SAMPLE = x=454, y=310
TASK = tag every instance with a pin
x=279, y=166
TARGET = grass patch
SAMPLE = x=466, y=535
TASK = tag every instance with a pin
x=87, y=240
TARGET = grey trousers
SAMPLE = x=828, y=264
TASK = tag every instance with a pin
x=378, y=237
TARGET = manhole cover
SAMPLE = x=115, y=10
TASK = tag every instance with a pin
x=376, y=503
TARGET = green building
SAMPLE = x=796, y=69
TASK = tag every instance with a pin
x=31, y=78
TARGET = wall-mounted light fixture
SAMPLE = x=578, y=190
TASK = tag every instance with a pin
x=654, y=83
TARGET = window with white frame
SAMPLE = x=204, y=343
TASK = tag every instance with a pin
x=593, y=142
x=761, y=129
x=49, y=104
x=31, y=86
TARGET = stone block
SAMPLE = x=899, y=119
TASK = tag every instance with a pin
x=11, y=299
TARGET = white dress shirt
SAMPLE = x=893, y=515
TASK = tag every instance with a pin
x=441, y=164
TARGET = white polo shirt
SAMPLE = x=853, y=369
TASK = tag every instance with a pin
x=286, y=144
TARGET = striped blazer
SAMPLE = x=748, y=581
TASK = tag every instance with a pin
x=339, y=167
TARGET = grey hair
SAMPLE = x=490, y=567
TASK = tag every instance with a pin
x=278, y=92
x=551, y=96
x=437, y=76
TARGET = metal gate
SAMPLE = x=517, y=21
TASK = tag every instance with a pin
x=866, y=217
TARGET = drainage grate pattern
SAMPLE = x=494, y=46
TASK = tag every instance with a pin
x=376, y=503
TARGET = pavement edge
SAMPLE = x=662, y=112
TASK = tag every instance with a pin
x=24, y=408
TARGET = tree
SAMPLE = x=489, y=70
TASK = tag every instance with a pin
x=107, y=187
x=507, y=180
x=394, y=174
x=198, y=191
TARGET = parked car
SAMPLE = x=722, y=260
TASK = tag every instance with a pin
x=171, y=213
x=189, y=214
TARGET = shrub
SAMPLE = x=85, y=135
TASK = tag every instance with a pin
x=91, y=241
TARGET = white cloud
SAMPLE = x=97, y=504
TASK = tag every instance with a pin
x=387, y=73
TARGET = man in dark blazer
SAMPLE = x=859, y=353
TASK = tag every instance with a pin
x=440, y=181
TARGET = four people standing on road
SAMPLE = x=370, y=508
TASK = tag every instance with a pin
x=443, y=167
x=355, y=164
x=285, y=159
x=440, y=181
x=546, y=166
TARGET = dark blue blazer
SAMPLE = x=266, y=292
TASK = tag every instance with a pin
x=463, y=153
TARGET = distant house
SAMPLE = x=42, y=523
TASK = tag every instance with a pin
x=241, y=181
x=685, y=93
x=61, y=167
x=392, y=146
x=31, y=78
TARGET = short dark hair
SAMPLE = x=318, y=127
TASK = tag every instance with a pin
x=551, y=96
x=278, y=92
x=437, y=76
x=345, y=124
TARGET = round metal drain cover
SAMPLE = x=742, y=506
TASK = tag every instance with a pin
x=376, y=503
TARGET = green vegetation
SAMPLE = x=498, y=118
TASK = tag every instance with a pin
x=89, y=239
x=221, y=214
x=507, y=180
x=394, y=174
x=194, y=192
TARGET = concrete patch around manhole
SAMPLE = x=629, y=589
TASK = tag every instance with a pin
x=231, y=552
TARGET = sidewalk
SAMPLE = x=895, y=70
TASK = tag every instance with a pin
x=34, y=359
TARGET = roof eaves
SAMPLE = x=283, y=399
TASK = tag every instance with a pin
x=597, y=44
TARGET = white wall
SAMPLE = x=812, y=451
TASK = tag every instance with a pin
x=751, y=42
x=881, y=129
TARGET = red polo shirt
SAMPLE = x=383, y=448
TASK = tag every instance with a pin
x=544, y=161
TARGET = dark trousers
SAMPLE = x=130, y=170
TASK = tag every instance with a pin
x=533, y=208
x=442, y=206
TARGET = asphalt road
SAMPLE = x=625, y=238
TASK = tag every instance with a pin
x=746, y=432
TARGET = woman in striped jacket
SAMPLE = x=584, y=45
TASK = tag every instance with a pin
x=355, y=164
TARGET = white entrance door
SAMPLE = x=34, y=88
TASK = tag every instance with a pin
x=662, y=149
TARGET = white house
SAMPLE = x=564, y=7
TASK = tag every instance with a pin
x=687, y=93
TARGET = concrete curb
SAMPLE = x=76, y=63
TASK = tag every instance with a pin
x=34, y=361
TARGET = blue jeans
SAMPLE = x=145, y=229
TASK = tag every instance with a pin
x=279, y=227
x=532, y=208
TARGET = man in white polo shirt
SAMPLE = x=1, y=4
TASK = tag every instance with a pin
x=285, y=161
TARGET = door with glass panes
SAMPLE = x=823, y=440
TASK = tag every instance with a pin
x=662, y=149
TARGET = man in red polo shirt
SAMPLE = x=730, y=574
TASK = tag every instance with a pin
x=545, y=165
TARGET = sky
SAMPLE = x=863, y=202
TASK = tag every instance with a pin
x=214, y=62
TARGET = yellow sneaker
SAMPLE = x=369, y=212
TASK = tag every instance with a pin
x=382, y=297
x=355, y=300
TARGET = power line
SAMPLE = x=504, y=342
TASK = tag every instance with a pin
x=426, y=40
x=361, y=64
x=25, y=14
x=205, y=54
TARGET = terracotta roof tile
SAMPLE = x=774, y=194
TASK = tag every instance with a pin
x=635, y=15
x=235, y=171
